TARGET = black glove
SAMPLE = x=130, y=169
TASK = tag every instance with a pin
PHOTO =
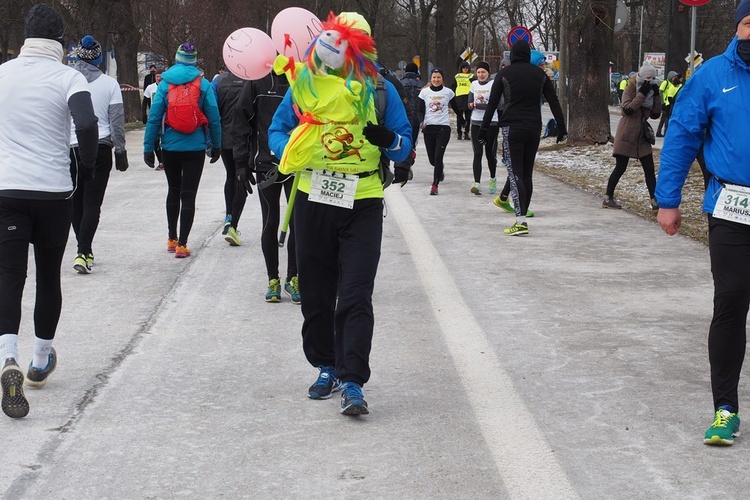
x=645, y=87
x=402, y=173
x=378, y=135
x=482, y=136
x=121, y=160
x=149, y=159
x=215, y=155
x=245, y=177
x=562, y=132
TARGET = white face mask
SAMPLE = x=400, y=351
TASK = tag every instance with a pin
x=331, y=52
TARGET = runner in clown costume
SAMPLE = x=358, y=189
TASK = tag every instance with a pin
x=326, y=132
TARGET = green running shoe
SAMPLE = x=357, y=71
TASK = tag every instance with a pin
x=81, y=265
x=504, y=204
x=90, y=260
x=476, y=188
x=517, y=229
x=291, y=288
x=493, y=186
x=723, y=430
x=273, y=294
x=233, y=237
x=529, y=213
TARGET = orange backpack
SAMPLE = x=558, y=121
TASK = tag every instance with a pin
x=183, y=111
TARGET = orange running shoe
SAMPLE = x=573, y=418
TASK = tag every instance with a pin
x=171, y=245
x=182, y=251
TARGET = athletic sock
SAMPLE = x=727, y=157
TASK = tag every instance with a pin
x=42, y=349
x=8, y=347
x=521, y=219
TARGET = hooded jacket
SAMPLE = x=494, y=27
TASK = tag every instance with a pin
x=171, y=139
x=710, y=109
x=106, y=97
x=522, y=86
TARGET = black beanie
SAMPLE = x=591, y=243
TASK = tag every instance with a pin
x=411, y=68
x=743, y=10
x=484, y=65
x=42, y=21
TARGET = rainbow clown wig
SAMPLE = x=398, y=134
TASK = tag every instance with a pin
x=346, y=48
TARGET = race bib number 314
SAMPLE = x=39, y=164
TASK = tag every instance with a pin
x=331, y=188
x=733, y=204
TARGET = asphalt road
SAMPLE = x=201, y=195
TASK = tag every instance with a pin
x=570, y=363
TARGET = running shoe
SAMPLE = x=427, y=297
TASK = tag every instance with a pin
x=504, y=204
x=326, y=384
x=81, y=264
x=352, y=400
x=291, y=288
x=273, y=294
x=160, y=166
x=433, y=190
x=171, y=245
x=37, y=377
x=517, y=229
x=529, y=213
x=90, y=260
x=181, y=251
x=723, y=430
x=654, y=204
x=14, y=403
x=227, y=224
x=493, y=186
x=233, y=237
x=476, y=188
x=610, y=202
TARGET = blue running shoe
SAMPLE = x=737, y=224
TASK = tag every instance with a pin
x=352, y=400
x=326, y=384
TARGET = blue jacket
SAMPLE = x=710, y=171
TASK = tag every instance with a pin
x=172, y=140
x=711, y=109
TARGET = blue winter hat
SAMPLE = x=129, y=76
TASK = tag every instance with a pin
x=537, y=57
x=743, y=10
x=89, y=50
x=187, y=54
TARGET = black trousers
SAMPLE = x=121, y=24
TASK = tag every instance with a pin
x=729, y=246
x=145, y=105
x=89, y=196
x=666, y=112
x=338, y=251
x=621, y=163
x=183, y=170
x=46, y=225
x=520, y=147
x=231, y=187
x=270, y=210
x=489, y=149
x=436, y=139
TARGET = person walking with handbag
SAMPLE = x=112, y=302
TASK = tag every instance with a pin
x=640, y=101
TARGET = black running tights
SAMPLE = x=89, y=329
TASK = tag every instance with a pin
x=621, y=163
x=436, y=138
x=270, y=209
x=184, y=170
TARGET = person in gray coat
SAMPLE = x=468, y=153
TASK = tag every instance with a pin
x=640, y=101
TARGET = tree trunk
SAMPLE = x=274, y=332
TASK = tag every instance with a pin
x=445, y=46
x=590, y=44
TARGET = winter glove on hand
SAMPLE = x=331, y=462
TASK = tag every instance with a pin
x=121, y=160
x=562, y=132
x=245, y=177
x=628, y=111
x=482, y=136
x=378, y=135
x=149, y=159
x=645, y=87
x=215, y=155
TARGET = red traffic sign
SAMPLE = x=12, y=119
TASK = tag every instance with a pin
x=695, y=3
x=519, y=33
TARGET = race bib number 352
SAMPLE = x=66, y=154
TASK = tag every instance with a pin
x=733, y=204
x=331, y=188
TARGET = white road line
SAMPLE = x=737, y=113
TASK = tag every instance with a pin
x=526, y=463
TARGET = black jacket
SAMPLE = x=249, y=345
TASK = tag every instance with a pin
x=228, y=90
x=252, y=117
x=522, y=85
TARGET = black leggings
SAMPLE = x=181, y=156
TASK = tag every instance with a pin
x=621, y=163
x=729, y=247
x=520, y=146
x=45, y=224
x=490, y=150
x=269, y=207
x=436, y=138
x=89, y=196
x=183, y=169
x=232, y=203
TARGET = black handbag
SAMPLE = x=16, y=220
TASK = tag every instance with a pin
x=648, y=132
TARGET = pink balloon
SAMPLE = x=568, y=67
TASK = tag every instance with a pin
x=249, y=53
x=293, y=30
